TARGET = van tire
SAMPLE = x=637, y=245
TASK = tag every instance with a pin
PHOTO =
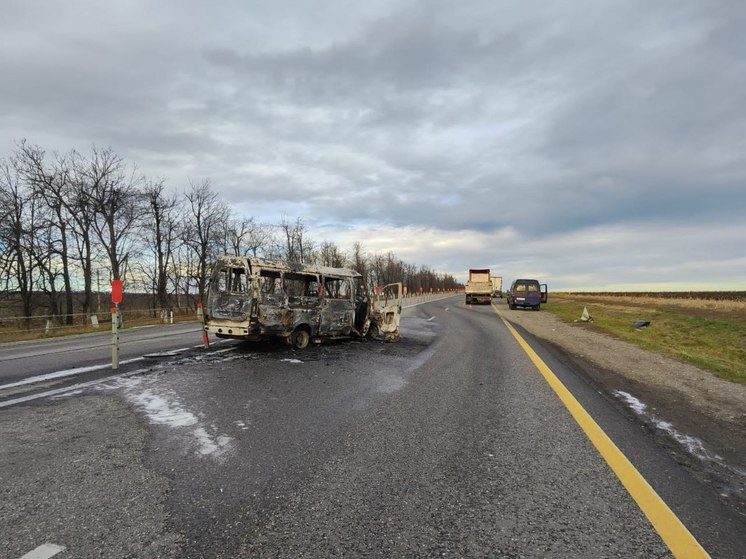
x=536, y=307
x=299, y=338
x=511, y=306
x=374, y=331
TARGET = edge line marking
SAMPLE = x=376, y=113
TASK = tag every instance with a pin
x=672, y=531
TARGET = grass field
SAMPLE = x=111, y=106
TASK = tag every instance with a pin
x=709, y=333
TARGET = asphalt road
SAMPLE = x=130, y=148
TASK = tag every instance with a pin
x=447, y=443
x=20, y=360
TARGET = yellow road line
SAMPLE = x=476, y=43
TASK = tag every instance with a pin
x=679, y=540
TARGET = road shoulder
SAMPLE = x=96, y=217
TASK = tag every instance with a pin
x=691, y=412
x=87, y=455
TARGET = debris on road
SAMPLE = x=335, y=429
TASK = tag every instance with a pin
x=640, y=324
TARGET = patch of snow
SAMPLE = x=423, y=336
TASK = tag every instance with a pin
x=209, y=445
x=291, y=360
x=165, y=410
x=636, y=405
x=160, y=410
x=693, y=445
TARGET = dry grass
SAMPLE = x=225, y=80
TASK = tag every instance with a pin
x=13, y=335
x=694, y=304
x=708, y=333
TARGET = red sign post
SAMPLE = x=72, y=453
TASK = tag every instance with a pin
x=117, y=291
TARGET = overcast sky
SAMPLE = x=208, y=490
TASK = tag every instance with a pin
x=589, y=144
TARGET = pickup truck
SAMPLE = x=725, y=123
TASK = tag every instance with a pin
x=479, y=287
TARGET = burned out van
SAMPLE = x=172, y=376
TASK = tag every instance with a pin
x=256, y=299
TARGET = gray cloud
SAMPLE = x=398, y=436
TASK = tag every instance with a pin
x=547, y=121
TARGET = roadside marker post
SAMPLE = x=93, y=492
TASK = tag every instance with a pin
x=115, y=337
x=201, y=313
x=117, y=293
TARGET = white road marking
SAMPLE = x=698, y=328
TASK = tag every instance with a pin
x=66, y=373
x=44, y=551
x=81, y=370
x=429, y=301
x=55, y=341
x=56, y=391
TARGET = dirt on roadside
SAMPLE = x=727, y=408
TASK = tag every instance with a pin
x=700, y=417
x=72, y=474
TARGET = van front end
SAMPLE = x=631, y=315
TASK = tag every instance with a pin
x=230, y=301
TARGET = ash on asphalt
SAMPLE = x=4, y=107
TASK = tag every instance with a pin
x=235, y=430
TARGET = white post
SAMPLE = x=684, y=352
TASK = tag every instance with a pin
x=172, y=317
x=115, y=337
x=201, y=313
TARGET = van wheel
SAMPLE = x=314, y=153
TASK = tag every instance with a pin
x=536, y=307
x=511, y=306
x=374, y=331
x=300, y=338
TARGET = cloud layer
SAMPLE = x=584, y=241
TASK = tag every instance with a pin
x=592, y=145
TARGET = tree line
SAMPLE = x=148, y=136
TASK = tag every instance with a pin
x=65, y=218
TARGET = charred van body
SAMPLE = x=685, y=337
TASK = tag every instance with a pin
x=256, y=299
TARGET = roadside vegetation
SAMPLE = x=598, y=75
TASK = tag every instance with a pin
x=70, y=222
x=708, y=333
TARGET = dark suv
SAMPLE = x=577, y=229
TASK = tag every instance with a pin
x=527, y=293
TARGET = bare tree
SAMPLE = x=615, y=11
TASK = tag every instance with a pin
x=161, y=232
x=82, y=211
x=51, y=184
x=296, y=245
x=116, y=200
x=17, y=229
x=206, y=218
x=245, y=236
x=329, y=254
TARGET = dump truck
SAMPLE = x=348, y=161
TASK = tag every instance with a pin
x=497, y=286
x=479, y=287
x=254, y=299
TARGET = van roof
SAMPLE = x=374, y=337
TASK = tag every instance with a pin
x=293, y=267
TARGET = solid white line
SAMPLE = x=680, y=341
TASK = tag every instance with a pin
x=66, y=373
x=56, y=391
x=44, y=551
